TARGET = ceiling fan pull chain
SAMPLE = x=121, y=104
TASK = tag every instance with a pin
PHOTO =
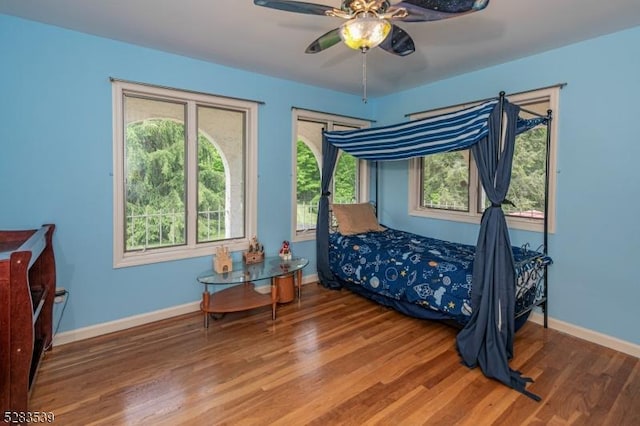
x=364, y=75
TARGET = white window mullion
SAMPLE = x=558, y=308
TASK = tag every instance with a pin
x=191, y=203
x=364, y=181
x=119, y=183
x=475, y=188
x=251, y=164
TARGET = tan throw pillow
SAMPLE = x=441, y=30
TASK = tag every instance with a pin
x=356, y=218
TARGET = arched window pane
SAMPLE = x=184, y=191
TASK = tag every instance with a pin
x=345, y=180
x=349, y=180
x=211, y=192
x=308, y=187
x=154, y=175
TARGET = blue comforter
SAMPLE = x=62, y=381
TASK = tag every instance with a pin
x=425, y=271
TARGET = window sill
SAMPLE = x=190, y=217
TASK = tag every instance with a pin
x=169, y=254
x=533, y=225
x=309, y=235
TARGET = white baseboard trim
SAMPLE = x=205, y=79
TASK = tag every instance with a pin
x=141, y=319
x=588, y=335
x=123, y=324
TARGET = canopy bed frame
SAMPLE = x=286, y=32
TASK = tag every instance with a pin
x=488, y=320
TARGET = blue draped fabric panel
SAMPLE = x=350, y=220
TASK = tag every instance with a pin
x=487, y=339
x=329, y=158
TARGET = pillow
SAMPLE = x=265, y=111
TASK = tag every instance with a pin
x=356, y=218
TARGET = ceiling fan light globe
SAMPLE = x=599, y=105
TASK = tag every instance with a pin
x=364, y=33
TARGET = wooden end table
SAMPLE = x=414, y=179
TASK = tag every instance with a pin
x=240, y=295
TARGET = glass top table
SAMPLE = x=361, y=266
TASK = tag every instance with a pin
x=240, y=272
x=241, y=295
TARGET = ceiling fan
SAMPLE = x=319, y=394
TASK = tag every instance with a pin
x=368, y=22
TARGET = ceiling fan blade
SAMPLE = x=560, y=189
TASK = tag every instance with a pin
x=398, y=42
x=294, y=6
x=324, y=41
x=434, y=10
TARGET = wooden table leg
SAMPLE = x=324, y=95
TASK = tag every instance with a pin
x=274, y=297
x=298, y=283
x=205, y=306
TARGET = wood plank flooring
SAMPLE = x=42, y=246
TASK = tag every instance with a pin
x=333, y=358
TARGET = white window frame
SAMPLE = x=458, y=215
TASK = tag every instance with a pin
x=473, y=216
x=121, y=258
x=330, y=120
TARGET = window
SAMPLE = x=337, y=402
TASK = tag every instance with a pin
x=184, y=173
x=350, y=179
x=446, y=185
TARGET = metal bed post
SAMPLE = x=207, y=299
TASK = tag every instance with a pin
x=501, y=98
x=545, y=246
x=545, y=307
x=377, y=166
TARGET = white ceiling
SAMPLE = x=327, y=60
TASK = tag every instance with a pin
x=238, y=34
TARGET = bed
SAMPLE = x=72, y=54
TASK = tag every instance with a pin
x=483, y=288
x=425, y=277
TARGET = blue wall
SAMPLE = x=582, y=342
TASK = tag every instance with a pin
x=56, y=158
x=597, y=240
x=56, y=162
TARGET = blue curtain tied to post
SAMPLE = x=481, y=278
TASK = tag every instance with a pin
x=329, y=158
x=487, y=339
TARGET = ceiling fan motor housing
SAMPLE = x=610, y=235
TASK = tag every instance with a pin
x=359, y=6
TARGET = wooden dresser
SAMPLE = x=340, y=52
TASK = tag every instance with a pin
x=27, y=291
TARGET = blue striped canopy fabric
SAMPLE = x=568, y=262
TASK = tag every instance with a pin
x=447, y=132
x=442, y=133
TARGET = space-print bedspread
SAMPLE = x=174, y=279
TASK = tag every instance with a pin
x=429, y=272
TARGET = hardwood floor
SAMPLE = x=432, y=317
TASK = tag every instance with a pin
x=333, y=358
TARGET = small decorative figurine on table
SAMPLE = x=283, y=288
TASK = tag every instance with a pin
x=285, y=251
x=222, y=260
x=255, y=254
